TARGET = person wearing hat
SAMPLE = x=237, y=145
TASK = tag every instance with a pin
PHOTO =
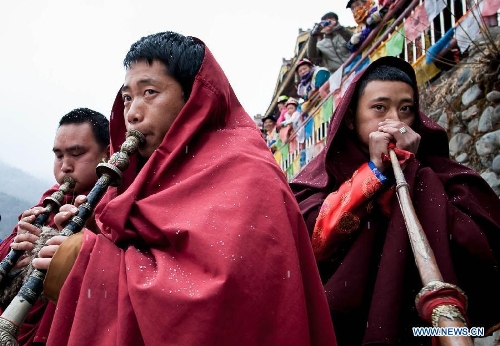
x=292, y=114
x=281, y=108
x=328, y=42
x=367, y=15
x=311, y=77
x=269, y=124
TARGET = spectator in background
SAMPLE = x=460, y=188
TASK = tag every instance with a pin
x=312, y=77
x=281, y=108
x=328, y=41
x=269, y=124
x=367, y=15
x=294, y=120
x=285, y=127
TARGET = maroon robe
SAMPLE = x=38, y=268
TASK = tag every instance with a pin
x=205, y=245
x=371, y=281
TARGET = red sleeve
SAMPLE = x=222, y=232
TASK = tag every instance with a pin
x=5, y=244
x=342, y=211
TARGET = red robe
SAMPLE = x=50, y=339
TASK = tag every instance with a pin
x=36, y=326
x=205, y=245
x=369, y=271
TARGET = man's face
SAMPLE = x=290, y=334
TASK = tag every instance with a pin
x=77, y=154
x=304, y=69
x=328, y=29
x=383, y=100
x=152, y=101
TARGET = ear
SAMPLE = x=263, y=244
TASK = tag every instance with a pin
x=107, y=151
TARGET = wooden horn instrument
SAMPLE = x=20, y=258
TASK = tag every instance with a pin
x=110, y=174
x=51, y=204
x=442, y=315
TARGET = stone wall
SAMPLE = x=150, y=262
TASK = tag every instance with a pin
x=466, y=102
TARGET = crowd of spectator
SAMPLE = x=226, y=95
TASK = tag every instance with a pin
x=327, y=50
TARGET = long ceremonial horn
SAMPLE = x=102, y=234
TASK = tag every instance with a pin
x=51, y=204
x=110, y=174
x=443, y=315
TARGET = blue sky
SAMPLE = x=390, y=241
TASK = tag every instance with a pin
x=60, y=55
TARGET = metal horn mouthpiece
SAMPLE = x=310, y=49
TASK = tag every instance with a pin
x=110, y=174
x=51, y=204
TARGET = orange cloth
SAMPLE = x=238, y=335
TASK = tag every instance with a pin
x=342, y=211
x=61, y=265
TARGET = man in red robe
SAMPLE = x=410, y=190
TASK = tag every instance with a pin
x=347, y=197
x=192, y=249
x=81, y=142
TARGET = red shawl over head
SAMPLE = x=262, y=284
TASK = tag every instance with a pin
x=204, y=246
x=372, y=282
x=36, y=326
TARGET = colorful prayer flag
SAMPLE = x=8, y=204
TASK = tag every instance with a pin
x=327, y=109
x=434, y=7
x=278, y=157
x=336, y=79
x=441, y=44
x=424, y=71
x=289, y=172
x=346, y=84
x=318, y=120
x=394, y=45
x=468, y=28
x=490, y=7
x=380, y=52
x=363, y=64
x=349, y=67
x=284, y=150
x=296, y=165
x=309, y=128
x=416, y=23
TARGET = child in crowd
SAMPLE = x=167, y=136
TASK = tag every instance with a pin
x=281, y=108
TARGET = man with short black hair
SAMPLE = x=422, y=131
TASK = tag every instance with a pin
x=81, y=142
x=328, y=42
x=203, y=243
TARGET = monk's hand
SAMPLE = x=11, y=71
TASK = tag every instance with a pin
x=377, y=145
x=27, y=235
x=402, y=134
x=67, y=211
x=46, y=253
